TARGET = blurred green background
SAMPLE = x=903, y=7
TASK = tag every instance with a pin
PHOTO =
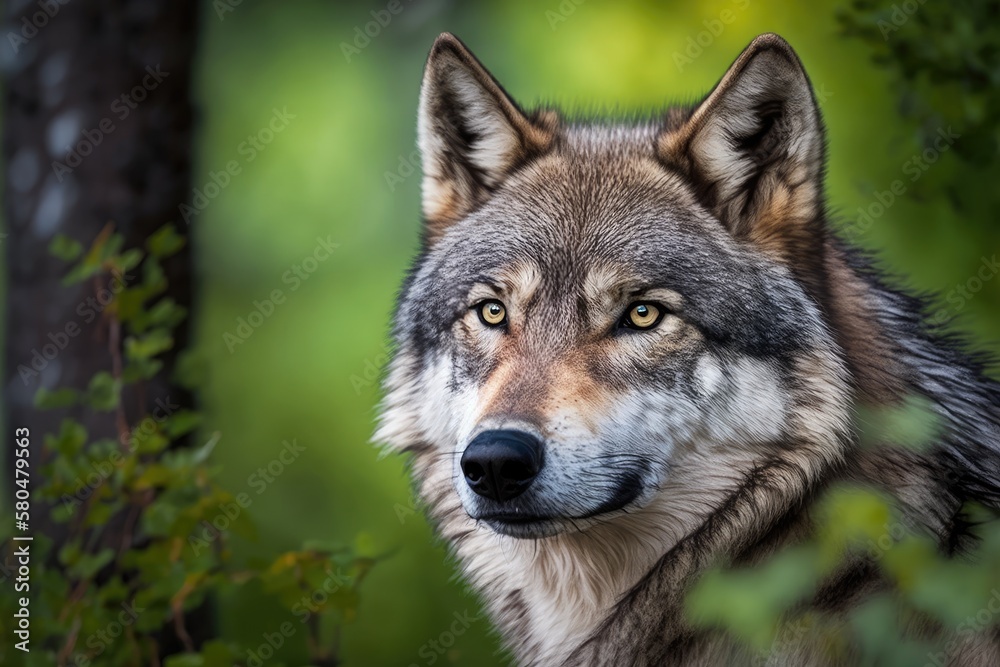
x=342, y=170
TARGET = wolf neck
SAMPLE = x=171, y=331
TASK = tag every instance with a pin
x=549, y=596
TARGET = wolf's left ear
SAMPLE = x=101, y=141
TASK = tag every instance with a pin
x=470, y=132
x=754, y=148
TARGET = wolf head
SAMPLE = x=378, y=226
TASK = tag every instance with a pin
x=602, y=313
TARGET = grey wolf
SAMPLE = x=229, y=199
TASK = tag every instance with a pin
x=628, y=349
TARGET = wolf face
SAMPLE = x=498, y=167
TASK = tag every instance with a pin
x=598, y=306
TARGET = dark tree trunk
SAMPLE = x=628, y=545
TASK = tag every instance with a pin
x=97, y=129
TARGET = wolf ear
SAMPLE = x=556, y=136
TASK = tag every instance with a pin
x=754, y=149
x=470, y=132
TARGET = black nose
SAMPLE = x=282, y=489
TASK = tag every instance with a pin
x=500, y=465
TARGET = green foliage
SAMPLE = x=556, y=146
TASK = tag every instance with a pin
x=65, y=248
x=760, y=605
x=943, y=62
x=139, y=548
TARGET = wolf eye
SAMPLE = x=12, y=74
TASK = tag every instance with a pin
x=642, y=316
x=492, y=313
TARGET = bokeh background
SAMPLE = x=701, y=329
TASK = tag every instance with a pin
x=345, y=170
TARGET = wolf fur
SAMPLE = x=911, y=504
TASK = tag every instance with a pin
x=707, y=437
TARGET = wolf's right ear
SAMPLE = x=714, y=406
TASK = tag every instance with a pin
x=470, y=132
x=754, y=150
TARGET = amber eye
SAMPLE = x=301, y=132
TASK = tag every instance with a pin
x=642, y=316
x=492, y=313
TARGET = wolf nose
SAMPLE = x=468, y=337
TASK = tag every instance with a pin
x=500, y=465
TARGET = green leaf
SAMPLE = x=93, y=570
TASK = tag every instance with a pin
x=141, y=369
x=129, y=303
x=111, y=248
x=151, y=442
x=128, y=260
x=154, y=280
x=65, y=248
x=100, y=513
x=103, y=391
x=181, y=423
x=62, y=513
x=165, y=313
x=105, y=246
x=913, y=423
x=51, y=400
x=70, y=440
x=150, y=345
x=70, y=553
x=165, y=241
x=154, y=476
x=159, y=517
x=81, y=272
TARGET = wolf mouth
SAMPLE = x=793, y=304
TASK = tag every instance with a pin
x=524, y=525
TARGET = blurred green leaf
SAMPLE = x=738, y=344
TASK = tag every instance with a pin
x=85, y=566
x=149, y=345
x=65, y=248
x=165, y=242
x=911, y=424
x=70, y=440
x=103, y=392
x=59, y=398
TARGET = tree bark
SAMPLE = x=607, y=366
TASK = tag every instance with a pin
x=97, y=130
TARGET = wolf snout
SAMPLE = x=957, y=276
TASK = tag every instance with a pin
x=501, y=465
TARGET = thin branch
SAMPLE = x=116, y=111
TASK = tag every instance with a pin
x=67, y=649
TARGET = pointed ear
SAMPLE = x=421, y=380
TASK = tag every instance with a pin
x=754, y=149
x=471, y=134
